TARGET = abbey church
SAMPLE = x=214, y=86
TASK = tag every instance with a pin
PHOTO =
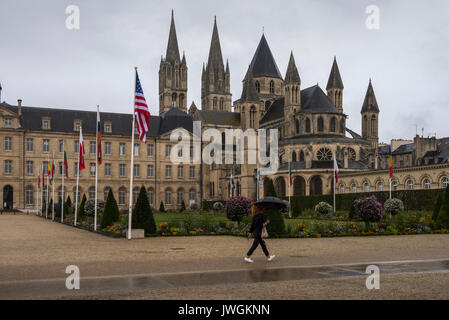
x=311, y=124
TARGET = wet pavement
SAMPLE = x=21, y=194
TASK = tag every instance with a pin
x=55, y=288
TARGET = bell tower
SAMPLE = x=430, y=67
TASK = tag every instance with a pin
x=335, y=86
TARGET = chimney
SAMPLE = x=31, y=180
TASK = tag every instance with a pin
x=19, y=107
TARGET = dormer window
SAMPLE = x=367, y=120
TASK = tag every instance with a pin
x=8, y=122
x=107, y=128
x=77, y=125
x=46, y=124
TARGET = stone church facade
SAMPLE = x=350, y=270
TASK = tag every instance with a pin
x=311, y=124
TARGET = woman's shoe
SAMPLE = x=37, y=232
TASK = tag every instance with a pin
x=249, y=260
x=271, y=257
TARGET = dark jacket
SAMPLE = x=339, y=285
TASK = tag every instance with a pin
x=257, y=224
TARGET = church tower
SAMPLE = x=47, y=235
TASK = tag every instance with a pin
x=215, y=79
x=172, y=75
x=370, y=116
x=292, y=84
x=335, y=86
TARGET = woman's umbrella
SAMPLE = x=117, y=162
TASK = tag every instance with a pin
x=269, y=203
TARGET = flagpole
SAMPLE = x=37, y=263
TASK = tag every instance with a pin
x=334, y=190
x=289, y=185
x=257, y=183
x=48, y=181
x=390, y=188
x=37, y=195
x=78, y=176
x=53, y=187
x=132, y=161
x=63, y=173
x=96, y=172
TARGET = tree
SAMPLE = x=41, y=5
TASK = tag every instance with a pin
x=161, y=207
x=443, y=215
x=368, y=210
x=58, y=207
x=81, y=212
x=238, y=207
x=277, y=224
x=111, y=213
x=270, y=190
x=142, y=215
x=68, y=202
x=437, y=207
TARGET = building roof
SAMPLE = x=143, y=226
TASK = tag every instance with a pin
x=334, y=77
x=370, y=102
x=275, y=111
x=172, y=53
x=249, y=92
x=292, y=74
x=263, y=63
x=219, y=117
x=405, y=148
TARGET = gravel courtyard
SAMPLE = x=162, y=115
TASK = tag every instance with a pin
x=35, y=249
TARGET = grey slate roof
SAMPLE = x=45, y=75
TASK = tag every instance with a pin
x=249, y=92
x=405, y=148
x=275, y=112
x=334, y=77
x=292, y=74
x=370, y=102
x=172, y=53
x=215, y=56
x=62, y=120
x=219, y=117
x=263, y=63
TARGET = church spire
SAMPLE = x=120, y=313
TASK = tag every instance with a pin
x=215, y=57
x=292, y=75
x=370, y=102
x=172, y=54
x=334, y=81
x=263, y=63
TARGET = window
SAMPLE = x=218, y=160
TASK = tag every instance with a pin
x=8, y=144
x=8, y=166
x=60, y=168
x=167, y=196
x=107, y=128
x=366, y=187
x=179, y=151
x=395, y=185
x=380, y=186
x=324, y=154
x=252, y=117
x=354, y=188
x=191, y=151
x=107, y=169
x=29, y=145
x=46, y=145
x=106, y=193
x=122, y=170
x=77, y=146
x=168, y=171
x=29, y=166
x=29, y=195
x=301, y=156
x=333, y=125
x=211, y=189
x=45, y=124
x=445, y=183
x=320, y=124
x=75, y=168
x=410, y=185
x=342, y=189
x=136, y=149
x=92, y=193
x=308, y=129
x=192, y=194
x=297, y=125
x=426, y=184
x=150, y=196
x=61, y=146
x=8, y=122
x=271, y=86
x=180, y=171
x=192, y=172
x=342, y=126
x=293, y=156
x=180, y=196
x=122, y=150
x=77, y=126
x=93, y=147
x=150, y=150
x=167, y=150
x=135, y=195
x=150, y=170
x=137, y=170
x=121, y=195
x=92, y=169
x=107, y=148
x=258, y=86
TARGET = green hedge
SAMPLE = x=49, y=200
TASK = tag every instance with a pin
x=413, y=199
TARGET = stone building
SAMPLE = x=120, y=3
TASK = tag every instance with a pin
x=311, y=124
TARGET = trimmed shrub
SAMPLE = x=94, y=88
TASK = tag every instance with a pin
x=238, y=207
x=368, y=210
x=81, y=212
x=161, y=207
x=323, y=207
x=393, y=206
x=68, y=202
x=270, y=191
x=111, y=213
x=437, y=207
x=443, y=216
x=142, y=215
x=89, y=207
x=218, y=206
x=183, y=206
x=276, y=225
x=58, y=207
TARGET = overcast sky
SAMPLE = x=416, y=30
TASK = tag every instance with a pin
x=47, y=65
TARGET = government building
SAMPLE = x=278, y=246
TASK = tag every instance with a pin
x=311, y=124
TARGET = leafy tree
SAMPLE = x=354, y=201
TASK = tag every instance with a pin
x=270, y=191
x=68, y=202
x=161, y=207
x=276, y=225
x=368, y=210
x=238, y=207
x=443, y=216
x=142, y=215
x=111, y=213
x=393, y=206
x=437, y=207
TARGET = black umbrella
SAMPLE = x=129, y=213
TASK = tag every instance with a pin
x=271, y=203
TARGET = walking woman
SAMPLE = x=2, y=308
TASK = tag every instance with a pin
x=257, y=224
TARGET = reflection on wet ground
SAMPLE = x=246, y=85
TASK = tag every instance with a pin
x=128, y=283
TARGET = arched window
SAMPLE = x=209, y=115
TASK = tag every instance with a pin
x=426, y=184
x=445, y=183
x=121, y=195
x=252, y=117
x=373, y=126
x=92, y=193
x=365, y=126
x=215, y=103
x=174, y=96
x=181, y=100
x=297, y=125
x=320, y=124
x=258, y=86
x=410, y=184
x=168, y=196
x=333, y=125
x=221, y=104
x=380, y=186
x=293, y=156
x=180, y=195
x=301, y=156
x=308, y=125
x=192, y=194
x=354, y=188
x=342, y=126
x=342, y=189
x=29, y=195
x=135, y=194
x=395, y=185
x=271, y=86
x=366, y=187
x=150, y=196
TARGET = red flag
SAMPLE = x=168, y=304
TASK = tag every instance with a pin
x=336, y=170
x=99, y=155
x=81, y=164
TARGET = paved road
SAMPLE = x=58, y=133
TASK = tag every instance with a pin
x=36, y=252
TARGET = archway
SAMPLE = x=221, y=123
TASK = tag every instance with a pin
x=279, y=186
x=316, y=185
x=299, y=186
x=8, y=197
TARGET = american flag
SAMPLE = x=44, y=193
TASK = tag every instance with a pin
x=142, y=112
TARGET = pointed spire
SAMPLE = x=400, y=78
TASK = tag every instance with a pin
x=172, y=54
x=334, y=77
x=292, y=74
x=370, y=102
x=183, y=58
x=263, y=63
x=227, y=66
x=215, y=57
x=249, y=92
